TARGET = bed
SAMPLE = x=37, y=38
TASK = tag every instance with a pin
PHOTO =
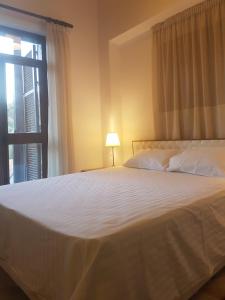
x=116, y=233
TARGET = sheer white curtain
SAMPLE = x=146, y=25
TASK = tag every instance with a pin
x=59, y=133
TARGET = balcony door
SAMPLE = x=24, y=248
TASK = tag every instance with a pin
x=23, y=106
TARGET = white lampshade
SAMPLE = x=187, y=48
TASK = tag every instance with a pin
x=112, y=140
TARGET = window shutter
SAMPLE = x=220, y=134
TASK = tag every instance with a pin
x=31, y=111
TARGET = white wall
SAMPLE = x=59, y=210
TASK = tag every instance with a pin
x=136, y=98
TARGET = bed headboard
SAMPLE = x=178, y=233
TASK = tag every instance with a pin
x=140, y=145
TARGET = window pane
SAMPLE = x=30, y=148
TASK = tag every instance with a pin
x=25, y=162
x=15, y=45
x=23, y=99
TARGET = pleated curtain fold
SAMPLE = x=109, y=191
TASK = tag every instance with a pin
x=59, y=123
x=189, y=73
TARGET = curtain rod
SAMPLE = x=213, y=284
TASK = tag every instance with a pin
x=48, y=19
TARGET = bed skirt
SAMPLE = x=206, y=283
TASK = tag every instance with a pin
x=214, y=289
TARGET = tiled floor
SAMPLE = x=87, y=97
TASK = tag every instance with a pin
x=8, y=289
x=214, y=290
x=12, y=293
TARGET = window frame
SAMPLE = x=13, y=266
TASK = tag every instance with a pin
x=41, y=137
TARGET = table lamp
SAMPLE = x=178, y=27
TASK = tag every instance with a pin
x=112, y=140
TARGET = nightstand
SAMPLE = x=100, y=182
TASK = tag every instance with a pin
x=94, y=169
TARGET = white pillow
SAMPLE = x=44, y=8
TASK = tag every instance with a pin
x=206, y=161
x=155, y=159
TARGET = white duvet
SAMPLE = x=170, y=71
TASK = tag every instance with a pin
x=113, y=234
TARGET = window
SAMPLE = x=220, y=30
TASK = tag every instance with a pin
x=23, y=106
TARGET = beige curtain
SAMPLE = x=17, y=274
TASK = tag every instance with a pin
x=189, y=73
x=60, y=128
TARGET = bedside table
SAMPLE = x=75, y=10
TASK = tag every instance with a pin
x=94, y=169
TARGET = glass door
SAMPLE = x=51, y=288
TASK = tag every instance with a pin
x=23, y=106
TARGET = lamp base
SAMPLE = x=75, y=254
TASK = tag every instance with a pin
x=113, y=157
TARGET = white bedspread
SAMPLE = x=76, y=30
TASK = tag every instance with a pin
x=113, y=234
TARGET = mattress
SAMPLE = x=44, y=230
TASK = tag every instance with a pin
x=113, y=234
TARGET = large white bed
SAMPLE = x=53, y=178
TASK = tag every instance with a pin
x=117, y=233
